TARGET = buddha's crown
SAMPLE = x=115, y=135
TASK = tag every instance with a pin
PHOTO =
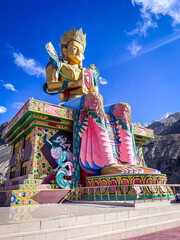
x=73, y=35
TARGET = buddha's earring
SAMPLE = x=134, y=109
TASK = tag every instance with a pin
x=65, y=60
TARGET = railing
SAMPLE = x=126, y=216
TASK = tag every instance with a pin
x=125, y=193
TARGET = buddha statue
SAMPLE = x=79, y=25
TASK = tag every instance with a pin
x=78, y=89
x=72, y=45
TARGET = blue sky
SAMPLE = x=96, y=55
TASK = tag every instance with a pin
x=135, y=44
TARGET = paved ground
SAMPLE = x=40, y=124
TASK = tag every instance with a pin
x=173, y=233
x=21, y=214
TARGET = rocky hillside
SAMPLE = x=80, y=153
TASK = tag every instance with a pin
x=4, y=155
x=160, y=126
x=163, y=153
x=2, y=126
x=173, y=129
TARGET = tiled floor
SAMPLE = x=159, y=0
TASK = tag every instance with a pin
x=170, y=234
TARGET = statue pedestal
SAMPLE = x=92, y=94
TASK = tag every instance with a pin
x=34, y=134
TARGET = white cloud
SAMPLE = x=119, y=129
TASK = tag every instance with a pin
x=102, y=81
x=142, y=28
x=30, y=66
x=134, y=47
x=9, y=86
x=3, y=109
x=18, y=105
x=152, y=10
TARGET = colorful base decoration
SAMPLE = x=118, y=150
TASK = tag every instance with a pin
x=131, y=191
x=41, y=136
x=30, y=191
x=45, y=158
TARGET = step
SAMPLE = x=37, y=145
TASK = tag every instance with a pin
x=103, y=217
x=110, y=235
x=131, y=232
x=75, y=227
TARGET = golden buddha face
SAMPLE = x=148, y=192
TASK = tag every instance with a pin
x=74, y=52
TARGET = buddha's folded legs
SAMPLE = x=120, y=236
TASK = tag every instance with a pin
x=96, y=150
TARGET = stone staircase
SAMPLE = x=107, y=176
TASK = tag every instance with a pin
x=142, y=219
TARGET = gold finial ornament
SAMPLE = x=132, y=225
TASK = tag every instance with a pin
x=73, y=36
x=92, y=66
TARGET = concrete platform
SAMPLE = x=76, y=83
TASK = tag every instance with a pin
x=9, y=215
x=86, y=221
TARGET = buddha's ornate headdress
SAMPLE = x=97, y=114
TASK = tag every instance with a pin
x=73, y=36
